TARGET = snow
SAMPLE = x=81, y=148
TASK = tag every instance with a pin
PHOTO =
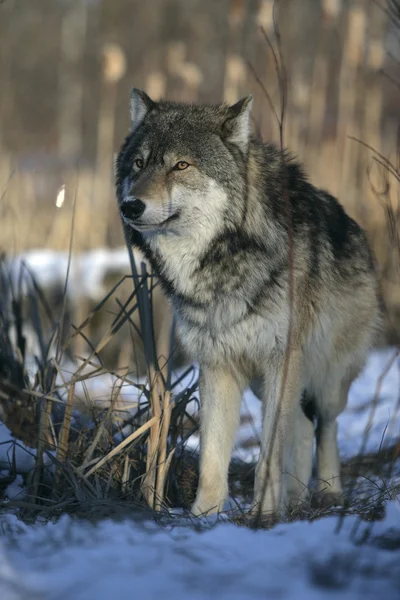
x=381, y=415
x=87, y=269
x=138, y=558
x=16, y=454
x=16, y=489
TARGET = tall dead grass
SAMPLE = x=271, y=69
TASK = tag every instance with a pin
x=97, y=459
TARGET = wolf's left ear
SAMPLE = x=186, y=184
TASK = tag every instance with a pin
x=141, y=104
x=237, y=127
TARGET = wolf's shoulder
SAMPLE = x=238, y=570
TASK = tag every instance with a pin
x=314, y=212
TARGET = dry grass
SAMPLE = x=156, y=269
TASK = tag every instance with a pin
x=97, y=461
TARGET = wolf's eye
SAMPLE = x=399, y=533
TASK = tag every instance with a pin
x=181, y=165
x=138, y=163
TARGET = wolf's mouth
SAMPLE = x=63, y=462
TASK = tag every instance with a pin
x=149, y=226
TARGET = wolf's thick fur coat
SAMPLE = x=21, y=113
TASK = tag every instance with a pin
x=231, y=226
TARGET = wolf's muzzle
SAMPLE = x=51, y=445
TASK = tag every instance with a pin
x=132, y=209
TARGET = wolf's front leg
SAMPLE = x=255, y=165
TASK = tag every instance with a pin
x=220, y=396
x=282, y=390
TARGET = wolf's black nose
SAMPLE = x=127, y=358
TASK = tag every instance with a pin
x=133, y=209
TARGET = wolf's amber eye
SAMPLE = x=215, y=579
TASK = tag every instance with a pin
x=181, y=165
x=138, y=163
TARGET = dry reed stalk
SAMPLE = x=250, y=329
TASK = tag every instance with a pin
x=62, y=448
x=66, y=427
x=317, y=108
x=100, y=346
x=131, y=438
x=349, y=78
x=331, y=9
x=114, y=66
x=235, y=67
x=156, y=85
x=163, y=340
x=168, y=462
x=188, y=74
x=126, y=474
x=99, y=433
x=79, y=310
x=162, y=452
x=89, y=453
x=149, y=480
x=92, y=314
x=297, y=116
x=43, y=441
x=38, y=395
x=265, y=16
x=73, y=39
x=373, y=109
x=235, y=77
x=265, y=66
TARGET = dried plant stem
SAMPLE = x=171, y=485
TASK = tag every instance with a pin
x=44, y=433
x=162, y=453
x=121, y=446
x=149, y=481
x=64, y=433
x=97, y=437
x=126, y=473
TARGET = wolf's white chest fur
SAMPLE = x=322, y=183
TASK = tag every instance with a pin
x=181, y=256
x=223, y=330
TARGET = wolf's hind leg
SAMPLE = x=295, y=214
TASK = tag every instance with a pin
x=330, y=404
x=278, y=419
x=299, y=459
x=220, y=396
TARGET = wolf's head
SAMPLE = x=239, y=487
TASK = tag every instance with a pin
x=181, y=166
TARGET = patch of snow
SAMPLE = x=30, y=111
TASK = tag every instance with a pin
x=16, y=489
x=14, y=452
x=79, y=560
x=380, y=419
x=88, y=270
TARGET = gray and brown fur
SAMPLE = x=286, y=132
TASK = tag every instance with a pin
x=218, y=234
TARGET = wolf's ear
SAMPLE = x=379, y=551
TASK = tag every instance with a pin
x=141, y=104
x=237, y=127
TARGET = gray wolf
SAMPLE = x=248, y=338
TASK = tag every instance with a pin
x=233, y=229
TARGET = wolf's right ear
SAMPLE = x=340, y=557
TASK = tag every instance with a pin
x=237, y=127
x=141, y=104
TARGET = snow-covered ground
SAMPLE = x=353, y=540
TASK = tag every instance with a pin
x=135, y=557
x=75, y=560
x=87, y=273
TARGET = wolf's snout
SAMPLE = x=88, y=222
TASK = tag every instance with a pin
x=132, y=209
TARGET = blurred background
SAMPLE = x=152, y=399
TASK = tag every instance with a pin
x=67, y=67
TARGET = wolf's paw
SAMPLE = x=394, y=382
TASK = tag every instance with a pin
x=206, y=506
x=327, y=499
x=297, y=497
x=297, y=506
x=257, y=518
